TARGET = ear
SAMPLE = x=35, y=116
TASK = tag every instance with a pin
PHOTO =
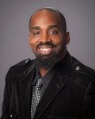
x=29, y=39
x=67, y=38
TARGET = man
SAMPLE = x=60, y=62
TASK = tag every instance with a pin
x=67, y=89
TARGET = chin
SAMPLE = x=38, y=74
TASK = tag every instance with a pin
x=47, y=61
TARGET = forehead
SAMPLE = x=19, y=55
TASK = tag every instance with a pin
x=43, y=12
x=43, y=17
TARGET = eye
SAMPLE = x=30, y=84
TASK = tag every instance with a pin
x=36, y=33
x=53, y=32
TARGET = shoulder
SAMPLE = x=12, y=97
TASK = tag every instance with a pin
x=81, y=74
x=23, y=63
x=81, y=68
x=20, y=67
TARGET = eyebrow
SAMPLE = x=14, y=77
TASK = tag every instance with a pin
x=35, y=28
x=50, y=27
x=54, y=26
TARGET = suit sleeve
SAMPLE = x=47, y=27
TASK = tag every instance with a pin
x=89, y=102
x=6, y=100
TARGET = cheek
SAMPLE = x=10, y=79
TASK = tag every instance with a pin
x=58, y=42
x=58, y=39
x=32, y=43
x=60, y=45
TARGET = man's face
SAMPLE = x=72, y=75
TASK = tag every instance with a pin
x=47, y=39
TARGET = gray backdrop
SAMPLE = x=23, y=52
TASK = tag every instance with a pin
x=14, y=16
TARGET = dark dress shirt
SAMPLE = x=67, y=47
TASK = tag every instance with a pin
x=45, y=79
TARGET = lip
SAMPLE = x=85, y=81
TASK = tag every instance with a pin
x=45, y=50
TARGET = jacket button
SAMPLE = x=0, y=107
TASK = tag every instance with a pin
x=78, y=68
x=11, y=115
x=26, y=61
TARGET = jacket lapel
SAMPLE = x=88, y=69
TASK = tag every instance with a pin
x=26, y=90
x=55, y=86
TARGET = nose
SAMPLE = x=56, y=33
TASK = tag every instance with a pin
x=45, y=37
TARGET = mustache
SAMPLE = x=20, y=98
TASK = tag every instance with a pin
x=46, y=44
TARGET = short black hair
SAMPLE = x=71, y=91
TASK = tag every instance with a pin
x=61, y=16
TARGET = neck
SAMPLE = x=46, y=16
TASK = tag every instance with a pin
x=43, y=71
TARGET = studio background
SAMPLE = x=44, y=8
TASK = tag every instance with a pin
x=14, y=17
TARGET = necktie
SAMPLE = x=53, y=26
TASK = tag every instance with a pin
x=36, y=96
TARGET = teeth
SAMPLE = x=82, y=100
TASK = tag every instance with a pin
x=45, y=49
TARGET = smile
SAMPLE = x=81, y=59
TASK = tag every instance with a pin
x=45, y=50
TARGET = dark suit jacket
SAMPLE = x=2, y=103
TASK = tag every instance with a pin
x=69, y=95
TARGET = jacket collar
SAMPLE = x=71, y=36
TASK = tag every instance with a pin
x=63, y=67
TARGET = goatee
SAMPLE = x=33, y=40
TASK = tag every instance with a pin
x=46, y=62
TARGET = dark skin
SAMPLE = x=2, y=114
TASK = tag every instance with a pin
x=46, y=27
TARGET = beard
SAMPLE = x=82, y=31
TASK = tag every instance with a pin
x=46, y=61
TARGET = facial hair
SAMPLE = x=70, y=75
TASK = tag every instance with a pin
x=48, y=61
